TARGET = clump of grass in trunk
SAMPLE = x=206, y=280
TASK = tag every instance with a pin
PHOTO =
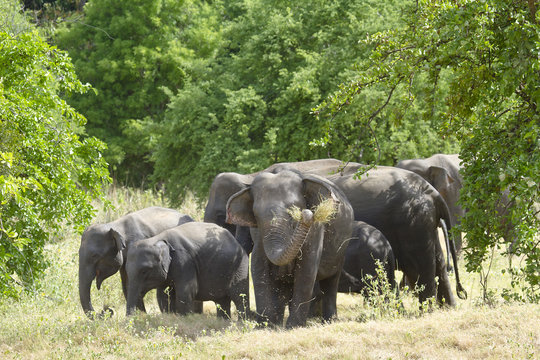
x=322, y=213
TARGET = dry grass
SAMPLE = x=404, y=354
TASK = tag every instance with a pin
x=50, y=324
x=322, y=213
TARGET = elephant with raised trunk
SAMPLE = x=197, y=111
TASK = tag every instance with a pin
x=200, y=261
x=297, y=241
x=104, y=246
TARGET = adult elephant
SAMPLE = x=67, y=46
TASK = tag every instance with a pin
x=407, y=210
x=227, y=184
x=403, y=206
x=291, y=252
x=442, y=172
x=104, y=246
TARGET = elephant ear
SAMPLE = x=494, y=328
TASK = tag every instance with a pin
x=165, y=255
x=317, y=189
x=240, y=209
x=440, y=178
x=119, y=239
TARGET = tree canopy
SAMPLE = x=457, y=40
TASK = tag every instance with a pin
x=48, y=172
x=133, y=53
x=487, y=52
x=251, y=106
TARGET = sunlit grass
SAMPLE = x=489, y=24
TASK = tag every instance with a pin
x=51, y=324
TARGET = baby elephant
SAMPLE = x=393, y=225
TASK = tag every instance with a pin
x=367, y=246
x=200, y=261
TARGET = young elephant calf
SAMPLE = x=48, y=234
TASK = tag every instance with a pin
x=367, y=247
x=200, y=261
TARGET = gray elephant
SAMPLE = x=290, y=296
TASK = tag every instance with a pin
x=227, y=184
x=103, y=247
x=443, y=172
x=200, y=261
x=367, y=247
x=295, y=244
x=407, y=210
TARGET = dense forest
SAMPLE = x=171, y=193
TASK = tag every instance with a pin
x=165, y=94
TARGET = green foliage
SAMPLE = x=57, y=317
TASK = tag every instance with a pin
x=48, y=174
x=251, y=104
x=487, y=54
x=131, y=52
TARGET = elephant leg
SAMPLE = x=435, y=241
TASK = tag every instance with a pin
x=165, y=297
x=315, y=308
x=426, y=278
x=267, y=297
x=304, y=281
x=183, y=303
x=223, y=308
x=240, y=297
x=329, y=287
x=198, y=306
x=444, y=289
x=185, y=289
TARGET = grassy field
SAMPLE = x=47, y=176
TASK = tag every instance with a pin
x=50, y=324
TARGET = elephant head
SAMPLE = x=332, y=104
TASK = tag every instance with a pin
x=100, y=256
x=147, y=267
x=268, y=204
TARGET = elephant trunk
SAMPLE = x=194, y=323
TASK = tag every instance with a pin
x=86, y=276
x=280, y=254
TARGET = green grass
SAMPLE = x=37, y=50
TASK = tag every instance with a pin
x=50, y=324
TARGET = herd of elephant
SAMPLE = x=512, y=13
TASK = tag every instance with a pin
x=389, y=215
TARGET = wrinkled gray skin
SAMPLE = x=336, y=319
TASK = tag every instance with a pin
x=407, y=210
x=289, y=256
x=200, y=261
x=367, y=245
x=227, y=184
x=442, y=171
x=402, y=205
x=104, y=246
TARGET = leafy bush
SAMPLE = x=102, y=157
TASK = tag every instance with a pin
x=487, y=53
x=48, y=173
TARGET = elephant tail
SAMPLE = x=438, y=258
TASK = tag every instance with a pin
x=444, y=217
x=447, y=241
